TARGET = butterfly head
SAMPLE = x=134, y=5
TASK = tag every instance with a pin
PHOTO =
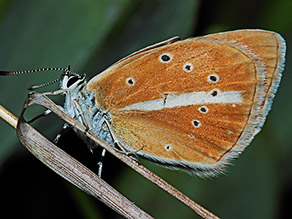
x=72, y=81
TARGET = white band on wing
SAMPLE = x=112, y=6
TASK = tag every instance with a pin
x=193, y=98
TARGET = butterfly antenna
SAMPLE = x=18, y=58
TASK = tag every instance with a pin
x=31, y=71
x=34, y=87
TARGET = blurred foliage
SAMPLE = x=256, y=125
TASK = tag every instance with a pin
x=90, y=36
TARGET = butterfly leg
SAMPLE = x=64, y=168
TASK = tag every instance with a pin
x=47, y=112
x=120, y=148
x=116, y=141
x=80, y=115
x=56, y=92
x=65, y=126
x=100, y=163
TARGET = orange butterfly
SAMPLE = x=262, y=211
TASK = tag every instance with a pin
x=191, y=105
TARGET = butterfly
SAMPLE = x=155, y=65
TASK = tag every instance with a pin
x=191, y=105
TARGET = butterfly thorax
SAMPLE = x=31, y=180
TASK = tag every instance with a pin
x=80, y=105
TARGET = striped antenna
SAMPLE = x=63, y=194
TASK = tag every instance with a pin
x=30, y=71
x=34, y=87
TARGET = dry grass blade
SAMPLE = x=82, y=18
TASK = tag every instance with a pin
x=79, y=175
x=8, y=117
x=70, y=169
x=41, y=99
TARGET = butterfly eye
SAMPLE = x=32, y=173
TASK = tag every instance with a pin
x=203, y=109
x=165, y=58
x=196, y=123
x=188, y=67
x=213, y=78
x=130, y=81
x=72, y=80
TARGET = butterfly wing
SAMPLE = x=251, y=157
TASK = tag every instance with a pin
x=270, y=47
x=196, y=103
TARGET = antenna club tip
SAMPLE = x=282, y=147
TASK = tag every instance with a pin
x=3, y=73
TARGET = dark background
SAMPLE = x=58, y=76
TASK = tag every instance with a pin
x=91, y=35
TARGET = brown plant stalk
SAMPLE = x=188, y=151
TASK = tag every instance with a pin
x=79, y=175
